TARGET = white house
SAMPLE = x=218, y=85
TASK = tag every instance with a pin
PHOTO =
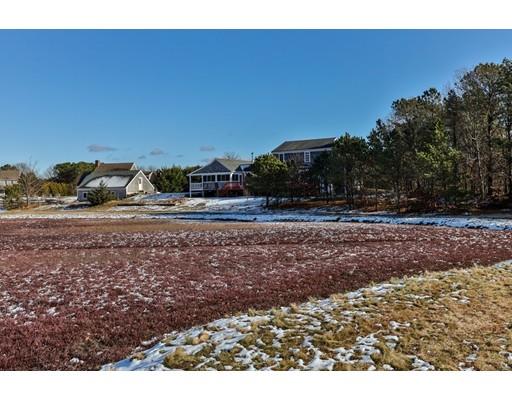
x=121, y=179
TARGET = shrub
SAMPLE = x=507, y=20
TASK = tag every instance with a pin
x=100, y=195
x=12, y=197
x=56, y=189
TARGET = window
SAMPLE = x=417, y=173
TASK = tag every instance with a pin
x=85, y=195
x=223, y=178
x=235, y=177
x=307, y=157
x=209, y=178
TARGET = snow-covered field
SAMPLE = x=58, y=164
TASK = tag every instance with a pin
x=363, y=329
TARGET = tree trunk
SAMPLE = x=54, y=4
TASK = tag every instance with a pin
x=509, y=160
x=490, y=159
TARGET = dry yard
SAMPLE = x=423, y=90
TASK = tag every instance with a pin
x=76, y=294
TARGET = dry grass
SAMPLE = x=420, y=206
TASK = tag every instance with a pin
x=459, y=319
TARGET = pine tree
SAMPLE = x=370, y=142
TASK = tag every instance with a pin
x=100, y=195
x=268, y=177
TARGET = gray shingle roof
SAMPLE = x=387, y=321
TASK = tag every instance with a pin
x=309, y=144
x=221, y=165
x=9, y=174
x=121, y=177
x=116, y=166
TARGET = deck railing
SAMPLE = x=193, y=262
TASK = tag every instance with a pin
x=215, y=185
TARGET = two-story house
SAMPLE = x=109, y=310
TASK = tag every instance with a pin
x=303, y=152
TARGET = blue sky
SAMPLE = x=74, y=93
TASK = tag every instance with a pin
x=165, y=97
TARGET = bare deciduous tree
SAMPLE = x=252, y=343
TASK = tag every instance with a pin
x=29, y=181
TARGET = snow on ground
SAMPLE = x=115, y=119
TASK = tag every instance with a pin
x=475, y=222
x=226, y=204
x=158, y=196
x=323, y=334
x=162, y=212
x=248, y=209
x=178, y=202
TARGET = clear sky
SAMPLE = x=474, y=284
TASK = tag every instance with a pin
x=165, y=97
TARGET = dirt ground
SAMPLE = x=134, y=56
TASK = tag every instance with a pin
x=75, y=294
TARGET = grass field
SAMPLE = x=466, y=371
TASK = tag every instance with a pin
x=77, y=294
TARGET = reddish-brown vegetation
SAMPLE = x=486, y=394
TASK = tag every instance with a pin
x=75, y=294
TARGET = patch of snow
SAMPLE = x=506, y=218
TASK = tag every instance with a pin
x=397, y=325
x=421, y=365
x=109, y=181
x=52, y=311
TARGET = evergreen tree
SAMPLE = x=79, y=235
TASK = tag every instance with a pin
x=12, y=196
x=268, y=177
x=170, y=180
x=437, y=162
x=349, y=157
x=100, y=195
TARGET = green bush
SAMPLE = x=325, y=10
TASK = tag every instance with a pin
x=100, y=195
x=12, y=197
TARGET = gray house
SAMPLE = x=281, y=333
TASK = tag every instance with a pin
x=8, y=177
x=122, y=179
x=303, y=152
x=221, y=177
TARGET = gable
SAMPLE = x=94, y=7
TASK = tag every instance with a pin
x=222, y=165
x=214, y=167
x=133, y=184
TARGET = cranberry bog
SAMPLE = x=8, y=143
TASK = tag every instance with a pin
x=77, y=294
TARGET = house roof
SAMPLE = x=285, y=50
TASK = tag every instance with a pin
x=111, y=179
x=9, y=175
x=128, y=166
x=222, y=165
x=309, y=144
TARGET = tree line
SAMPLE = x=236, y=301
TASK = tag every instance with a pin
x=432, y=151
